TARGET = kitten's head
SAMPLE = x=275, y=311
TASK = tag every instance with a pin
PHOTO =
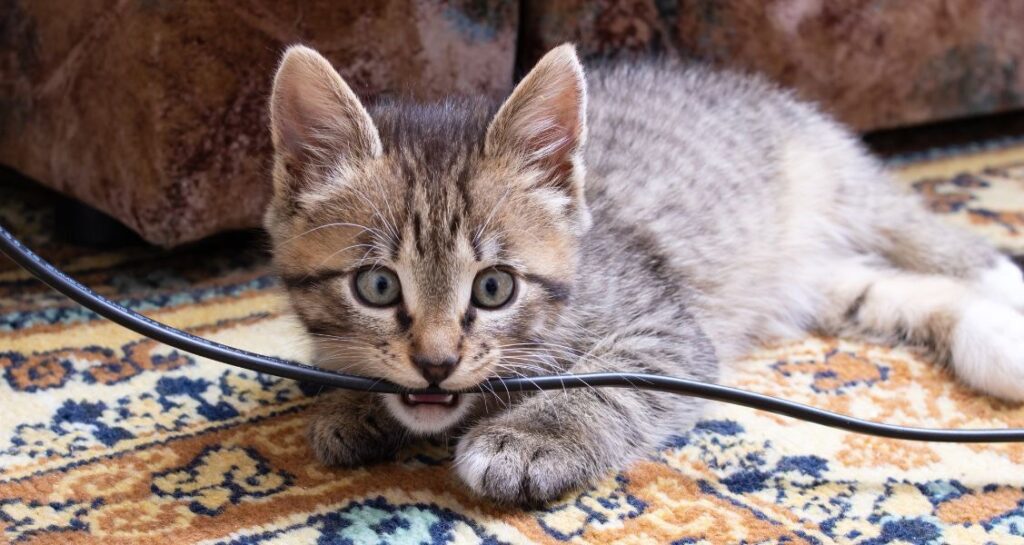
x=427, y=244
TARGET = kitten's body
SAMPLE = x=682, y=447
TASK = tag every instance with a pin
x=756, y=200
x=722, y=212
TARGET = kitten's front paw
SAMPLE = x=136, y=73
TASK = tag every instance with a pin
x=341, y=440
x=520, y=466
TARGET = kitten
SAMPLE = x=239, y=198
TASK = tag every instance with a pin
x=655, y=218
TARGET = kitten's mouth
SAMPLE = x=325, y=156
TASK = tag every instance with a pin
x=446, y=400
x=428, y=413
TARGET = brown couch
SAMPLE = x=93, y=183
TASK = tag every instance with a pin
x=153, y=111
x=872, y=63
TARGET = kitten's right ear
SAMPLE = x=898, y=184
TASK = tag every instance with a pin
x=315, y=118
x=545, y=119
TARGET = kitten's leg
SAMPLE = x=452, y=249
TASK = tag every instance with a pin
x=556, y=441
x=916, y=240
x=353, y=428
x=982, y=338
x=865, y=208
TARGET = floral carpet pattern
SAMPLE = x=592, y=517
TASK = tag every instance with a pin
x=106, y=437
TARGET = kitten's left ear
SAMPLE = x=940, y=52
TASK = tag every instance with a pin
x=544, y=121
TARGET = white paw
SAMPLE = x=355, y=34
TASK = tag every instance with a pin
x=514, y=466
x=1003, y=283
x=988, y=349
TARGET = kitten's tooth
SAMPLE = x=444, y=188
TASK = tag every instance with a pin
x=437, y=399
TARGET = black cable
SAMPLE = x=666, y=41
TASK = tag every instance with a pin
x=182, y=340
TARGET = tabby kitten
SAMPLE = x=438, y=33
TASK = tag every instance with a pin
x=654, y=218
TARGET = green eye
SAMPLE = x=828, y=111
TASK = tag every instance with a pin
x=377, y=287
x=493, y=288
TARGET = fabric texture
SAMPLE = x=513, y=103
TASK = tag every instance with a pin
x=106, y=437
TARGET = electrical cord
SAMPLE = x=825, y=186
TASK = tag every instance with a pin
x=182, y=340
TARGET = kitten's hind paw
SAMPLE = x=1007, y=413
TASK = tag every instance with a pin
x=988, y=349
x=1004, y=283
x=520, y=466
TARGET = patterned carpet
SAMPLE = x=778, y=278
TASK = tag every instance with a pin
x=106, y=437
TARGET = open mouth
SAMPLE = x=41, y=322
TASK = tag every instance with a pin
x=428, y=414
x=444, y=400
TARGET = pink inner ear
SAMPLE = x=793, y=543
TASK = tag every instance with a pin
x=314, y=121
x=544, y=118
x=547, y=130
x=290, y=131
x=553, y=148
x=553, y=136
x=313, y=109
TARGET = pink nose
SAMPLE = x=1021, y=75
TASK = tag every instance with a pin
x=435, y=370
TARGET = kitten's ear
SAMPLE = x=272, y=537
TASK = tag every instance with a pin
x=314, y=115
x=544, y=120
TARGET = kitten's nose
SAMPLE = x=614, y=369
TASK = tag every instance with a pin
x=435, y=370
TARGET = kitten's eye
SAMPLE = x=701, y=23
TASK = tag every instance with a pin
x=377, y=287
x=493, y=288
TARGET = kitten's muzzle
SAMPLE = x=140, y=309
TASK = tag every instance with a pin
x=435, y=370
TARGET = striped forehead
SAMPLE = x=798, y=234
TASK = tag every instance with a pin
x=436, y=246
x=436, y=204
